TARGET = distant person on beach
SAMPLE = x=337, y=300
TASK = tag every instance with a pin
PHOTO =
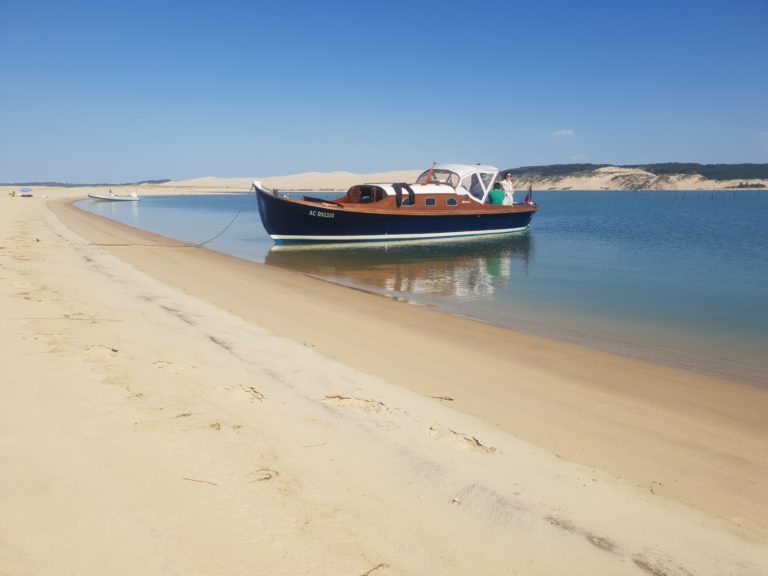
x=497, y=194
x=509, y=189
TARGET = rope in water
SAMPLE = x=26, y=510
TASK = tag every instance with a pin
x=182, y=245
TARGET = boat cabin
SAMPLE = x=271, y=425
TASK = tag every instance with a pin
x=475, y=180
x=365, y=194
x=463, y=183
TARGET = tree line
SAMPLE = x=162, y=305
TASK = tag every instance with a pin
x=709, y=171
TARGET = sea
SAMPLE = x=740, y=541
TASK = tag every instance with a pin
x=678, y=277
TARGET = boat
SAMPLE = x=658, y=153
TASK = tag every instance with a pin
x=112, y=197
x=447, y=200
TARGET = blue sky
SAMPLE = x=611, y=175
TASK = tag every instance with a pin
x=125, y=91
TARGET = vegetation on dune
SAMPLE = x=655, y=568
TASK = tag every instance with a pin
x=708, y=171
x=555, y=170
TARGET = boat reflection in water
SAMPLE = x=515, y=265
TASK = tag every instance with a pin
x=466, y=269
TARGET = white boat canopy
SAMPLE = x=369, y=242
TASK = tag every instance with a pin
x=475, y=179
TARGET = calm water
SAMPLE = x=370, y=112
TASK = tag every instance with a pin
x=675, y=276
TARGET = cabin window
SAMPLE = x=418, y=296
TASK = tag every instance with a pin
x=430, y=201
x=472, y=183
x=366, y=194
x=452, y=202
x=487, y=179
x=439, y=176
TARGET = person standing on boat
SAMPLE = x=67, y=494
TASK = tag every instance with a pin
x=509, y=189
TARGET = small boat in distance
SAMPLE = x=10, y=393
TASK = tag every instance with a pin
x=23, y=193
x=448, y=200
x=112, y=197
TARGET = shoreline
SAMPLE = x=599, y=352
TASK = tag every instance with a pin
x=744, y=370
x=179, y=409
x=694, y=362
x=435, y=334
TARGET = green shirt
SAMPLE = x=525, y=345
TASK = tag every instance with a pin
x=497, y=196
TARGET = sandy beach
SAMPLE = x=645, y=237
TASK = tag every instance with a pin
x=171, y=410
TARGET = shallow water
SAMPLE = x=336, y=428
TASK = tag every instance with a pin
x=680, y=277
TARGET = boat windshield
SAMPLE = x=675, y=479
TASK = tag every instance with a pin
x=439, y=176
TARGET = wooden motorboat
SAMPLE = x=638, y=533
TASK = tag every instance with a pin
x=445, y=201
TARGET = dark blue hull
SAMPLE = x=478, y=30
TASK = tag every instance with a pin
x=287, y=220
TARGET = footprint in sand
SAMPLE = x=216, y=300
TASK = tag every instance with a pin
x=173, y=368
x=459, y=440
x=605, y=544
x=362, y=404
x=498, y=508
x=99, y=352
x=52, y=338
x=121, y=380
x=253, y=393
x=657, y=564
x=26, y=288
x=261, y=475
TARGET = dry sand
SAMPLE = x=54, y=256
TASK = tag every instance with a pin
x=169, y=410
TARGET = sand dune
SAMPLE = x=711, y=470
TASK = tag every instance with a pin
x=621, y=178
x=305, y=181
x=606, y=178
